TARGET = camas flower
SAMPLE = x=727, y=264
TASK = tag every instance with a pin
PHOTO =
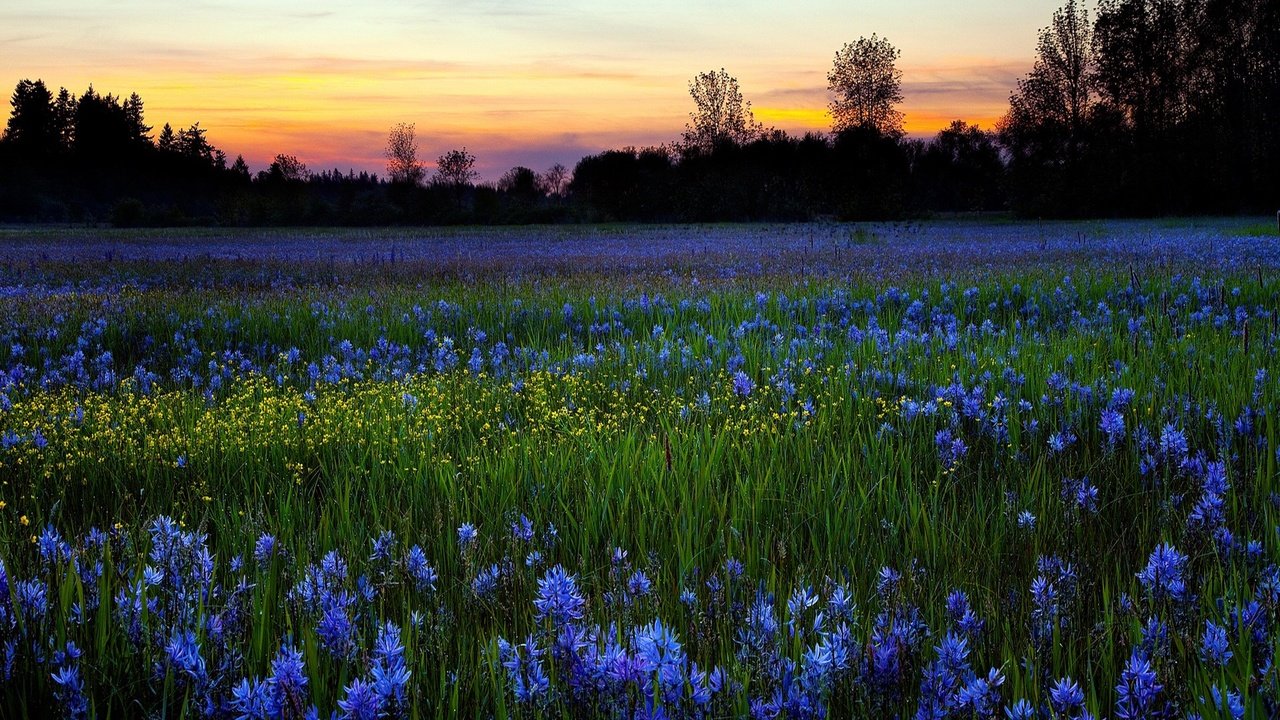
x=1215, y=649
x=1138, y=692
x=558, y=598
x=1163, y=575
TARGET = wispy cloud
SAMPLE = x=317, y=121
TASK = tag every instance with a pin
x=554, y=79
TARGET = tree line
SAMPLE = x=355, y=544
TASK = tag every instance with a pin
x=1142, y=107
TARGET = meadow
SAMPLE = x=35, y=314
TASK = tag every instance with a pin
x=957, y=469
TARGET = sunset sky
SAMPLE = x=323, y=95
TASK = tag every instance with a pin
x=518, y=83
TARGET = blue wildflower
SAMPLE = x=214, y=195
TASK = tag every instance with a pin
x=1163, y=575
x=1066, y=697
x=558, y=597
x=466, y=536
x=1215, y=649
x=362, y=701
x=1138, y=692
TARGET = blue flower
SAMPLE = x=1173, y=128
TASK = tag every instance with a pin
x=1066, y=697
x=1138, y=692
x=362, y=701
x=1231, y=703
x=742, y=384
x=1173, y=444
x=335, y=628
x=390, y=674
x=1162, y=576
x=1112, y=424
x=558, y=597
x=249, y=700
x=264, y=549
x=1215, y=649
x=1026, y=520
x=486, y=582
x=1020, y=710
x=286, y=688
x=639, y=585
x=420, y=571
x=466, y=536
x=69, y=691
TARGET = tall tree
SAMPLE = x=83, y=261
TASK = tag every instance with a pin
x=139, y=131
x=64, y=118
x=720, y=115
x=192, y=143
x=402, y=155
x=168, y=140
x=867, y=87
x=1057, y=93
x=32, y=124
x=1044, y=131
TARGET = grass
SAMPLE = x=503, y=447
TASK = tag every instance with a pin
x=824, y=482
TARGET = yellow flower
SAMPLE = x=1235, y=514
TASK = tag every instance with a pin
x=24, y=521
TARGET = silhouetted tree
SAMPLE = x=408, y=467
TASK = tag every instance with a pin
x=1045, y=128
x=959, y=170
x=520, y=182
x=139, y=131
x=285, y=169
x=455, y=168
x=104, y=132
x=64, y=118
x=32, y=125
x=720, y=114
x=1142, y=56
x=555, y=180
x=402, y=156
x=867, y=87
x=168, y=141
x=240, y=167
x=191, y=143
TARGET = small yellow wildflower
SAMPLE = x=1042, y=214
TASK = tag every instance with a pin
x=24, y=521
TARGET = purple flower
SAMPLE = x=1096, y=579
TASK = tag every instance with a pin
x=558, y=597
x=466, y=536
x=1162, y=576
x=1138, y=692
x=1215, y=649
x=264, y=549
x=742, y=384
x=415, y=563
x=1066, y=697
x=1112, y=424
x=287, y=686
x=361, y=702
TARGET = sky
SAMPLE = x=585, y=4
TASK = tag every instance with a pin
x=517, y=83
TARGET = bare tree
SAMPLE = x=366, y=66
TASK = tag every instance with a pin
x=867, y=86
x=720, y=114
x=402, y=155
x=555, y=181
x=456, y=168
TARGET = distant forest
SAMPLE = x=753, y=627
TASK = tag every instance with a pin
x=1139, y=108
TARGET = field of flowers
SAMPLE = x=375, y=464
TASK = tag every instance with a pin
x=949, y=470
